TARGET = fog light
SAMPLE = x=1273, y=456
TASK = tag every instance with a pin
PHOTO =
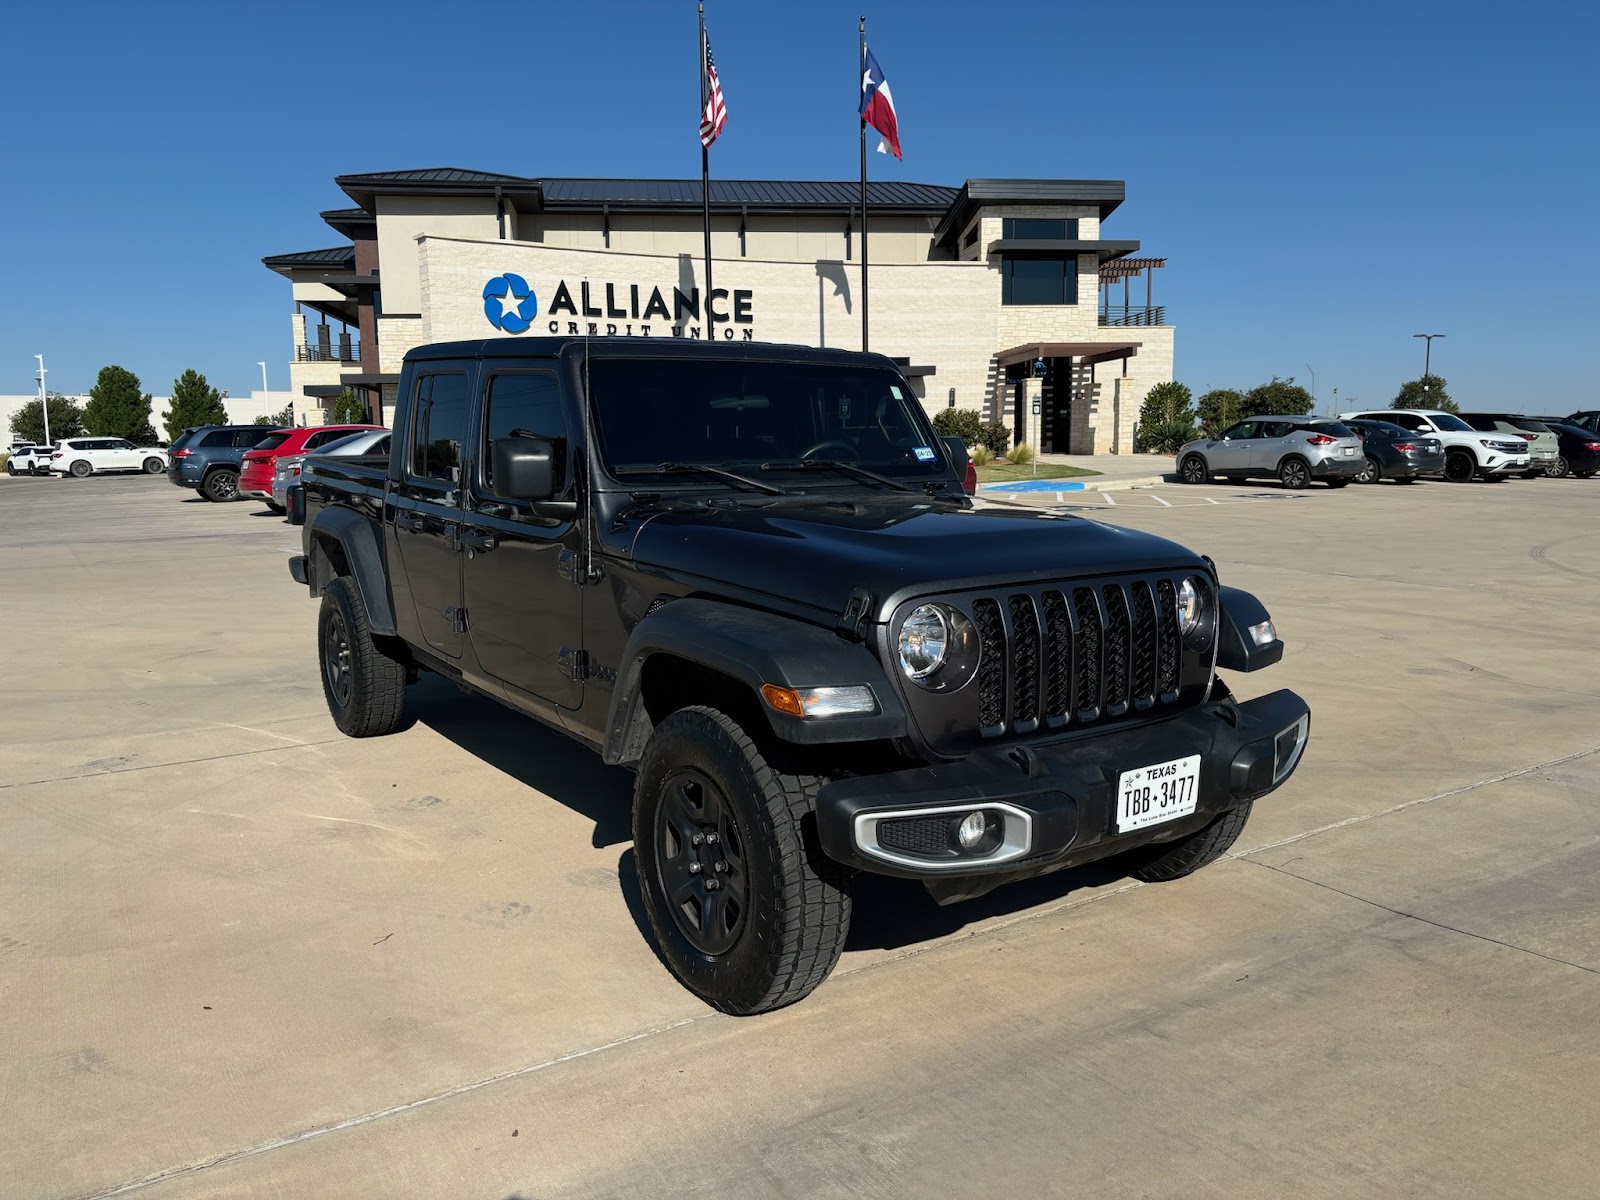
x=1263, y=634
x=971, y=830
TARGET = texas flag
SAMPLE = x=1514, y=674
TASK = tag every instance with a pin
x=877, y=106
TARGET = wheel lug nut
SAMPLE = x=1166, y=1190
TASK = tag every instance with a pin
x=713, y=884
x=695, y=868
x=697, y=839
x=711, y=839
x=722, y=866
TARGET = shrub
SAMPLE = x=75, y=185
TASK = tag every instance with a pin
x=981, y=455
x=1166, y=438
x=1220, y=408
x=997, y=436
x=1019, y=454
x=1168, y=403
x=964, y=423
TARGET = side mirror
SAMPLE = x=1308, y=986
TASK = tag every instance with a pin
x=959, y=454
x=524, y=468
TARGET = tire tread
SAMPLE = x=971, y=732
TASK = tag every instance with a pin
x=1199, y=849
x=378, y=682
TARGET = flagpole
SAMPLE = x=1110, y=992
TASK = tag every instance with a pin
x=860, y=75
x=705, y=180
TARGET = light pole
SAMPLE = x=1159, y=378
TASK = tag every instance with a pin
x=1313, y=371
x=1427, y=354
x=44, y=401
x=263, y=367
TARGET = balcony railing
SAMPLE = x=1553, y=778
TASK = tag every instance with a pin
x=344, y=353
x=1137, y=314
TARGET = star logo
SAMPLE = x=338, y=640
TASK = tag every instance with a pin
x=509, y=304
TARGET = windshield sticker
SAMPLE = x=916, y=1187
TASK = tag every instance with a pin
x=894, y=388
x=923, y=453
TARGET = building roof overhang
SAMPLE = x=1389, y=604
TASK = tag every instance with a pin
x=1103, y=195
x=1039, y=248
x=352, y=222
x=332, y=259
x=1085, y=353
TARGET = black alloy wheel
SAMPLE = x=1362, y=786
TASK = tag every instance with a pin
x=336, y=657
x=1194, y=470
x=1294, y=474
x=700, y=861
x=1371, y=472
x=221, y=486
x=1460, y=466
x=1559, y=469
x=365, y=688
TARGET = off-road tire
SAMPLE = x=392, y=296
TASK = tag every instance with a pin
x=1294, y=474
x=81, y=470
x=1194, y=470
x=1459, y=466
x=154, y=466
x=221, y=486
x=369, y=698
x=795, y=910
x=1174, y=860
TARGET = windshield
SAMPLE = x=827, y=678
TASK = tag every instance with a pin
x=744, y=415
x=1450, y=424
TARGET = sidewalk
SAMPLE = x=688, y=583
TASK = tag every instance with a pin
x=1117, y=473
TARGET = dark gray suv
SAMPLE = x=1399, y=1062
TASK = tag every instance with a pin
x=207, y=459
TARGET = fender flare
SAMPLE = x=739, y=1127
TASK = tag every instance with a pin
x=354, y=534
x=751, y=647
x=1238, y=610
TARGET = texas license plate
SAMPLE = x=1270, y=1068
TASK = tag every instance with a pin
x=1163, y=792
x=1349, y=449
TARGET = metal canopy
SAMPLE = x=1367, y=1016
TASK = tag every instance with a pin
x=1083, y=353
x=1126, y=268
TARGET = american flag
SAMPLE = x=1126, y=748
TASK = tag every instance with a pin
x=716, y=113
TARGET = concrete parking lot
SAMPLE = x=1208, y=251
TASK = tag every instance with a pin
x=241, y=955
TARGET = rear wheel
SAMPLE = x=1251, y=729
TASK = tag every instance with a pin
x=1560, y=468
x=221, y=486
x=1294, y=474
x=1174, y=860
x=1194, y=470
x=364, y=687
x=80, y=469
x=154, y=466
x=1460, y=466
x=1371, y=472
x=749, y=914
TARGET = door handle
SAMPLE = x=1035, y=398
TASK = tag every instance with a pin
x=476, y=539
x=409, y=520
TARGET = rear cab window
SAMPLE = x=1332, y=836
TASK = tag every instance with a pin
x=438, y=432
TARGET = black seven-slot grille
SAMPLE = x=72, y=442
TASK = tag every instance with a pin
x=1075, y=653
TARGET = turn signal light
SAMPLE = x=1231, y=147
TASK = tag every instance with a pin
x=855, y=700
x=1532, y=437
x=1320, y=439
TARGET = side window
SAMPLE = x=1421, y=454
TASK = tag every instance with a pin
x=326, y=436
x=1244, y=429
x=438, y=428
x=1276, y=429
x=244, y=439
x=217, y=437
x=123, y=444
x=525, y=405
x=1407, y=421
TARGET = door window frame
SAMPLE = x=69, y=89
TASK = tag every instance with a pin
x=482, y=490
x=448, y=491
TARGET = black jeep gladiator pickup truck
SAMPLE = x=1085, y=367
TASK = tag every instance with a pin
x=750, y=573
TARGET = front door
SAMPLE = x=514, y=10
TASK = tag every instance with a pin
x=1231, y=451
x=522, y=572
x=427, y=512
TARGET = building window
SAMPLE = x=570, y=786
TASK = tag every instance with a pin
x=1039, y=280
x=1038, y=229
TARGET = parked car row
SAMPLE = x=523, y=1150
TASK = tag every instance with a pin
x=82, y=456
x=259, y=462
x=1399, y=444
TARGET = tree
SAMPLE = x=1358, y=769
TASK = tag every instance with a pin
x=1166, y=418
x=194, y=402
x=1282, y=396
x=284, y=418
x=66, y=420
x=347, y=410
x=1220, y=408
x=117, y=408
x=1427, y=392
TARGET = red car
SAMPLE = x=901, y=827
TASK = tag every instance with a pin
x=255, y=473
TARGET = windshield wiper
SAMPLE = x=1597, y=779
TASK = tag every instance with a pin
x=833, y=464
x=677, y=468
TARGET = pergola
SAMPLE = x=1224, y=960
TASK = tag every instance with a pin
x=1126, y=269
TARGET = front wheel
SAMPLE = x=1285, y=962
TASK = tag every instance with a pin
x=1294, y=474
x=1194, y=470
x=1174, y=860
x=154, y=466
x=750, y=915
x=364, y=687
x=1459, y=466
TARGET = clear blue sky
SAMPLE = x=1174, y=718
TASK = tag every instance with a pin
x=1324, y=180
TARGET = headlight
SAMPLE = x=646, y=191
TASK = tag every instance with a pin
x=1189, y=609
x=924, y=642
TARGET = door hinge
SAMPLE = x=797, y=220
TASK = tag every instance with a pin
x=457, y=618
x=574, y=664
x=569, y=565
x=857, y=613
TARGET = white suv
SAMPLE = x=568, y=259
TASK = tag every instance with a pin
x=87, y=455
x=1467, y=452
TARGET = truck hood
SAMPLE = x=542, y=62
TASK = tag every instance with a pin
x=818, y=555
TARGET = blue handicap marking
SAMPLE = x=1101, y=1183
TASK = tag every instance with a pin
x=1033, y=485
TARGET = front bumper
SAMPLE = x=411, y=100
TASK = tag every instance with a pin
x=1058, y=799
x=1500, y=464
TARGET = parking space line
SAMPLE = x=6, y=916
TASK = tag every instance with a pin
x=1159, y=500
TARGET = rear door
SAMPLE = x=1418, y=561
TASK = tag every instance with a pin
x=427, y=503
x=1275, y=439
x=522, y=582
